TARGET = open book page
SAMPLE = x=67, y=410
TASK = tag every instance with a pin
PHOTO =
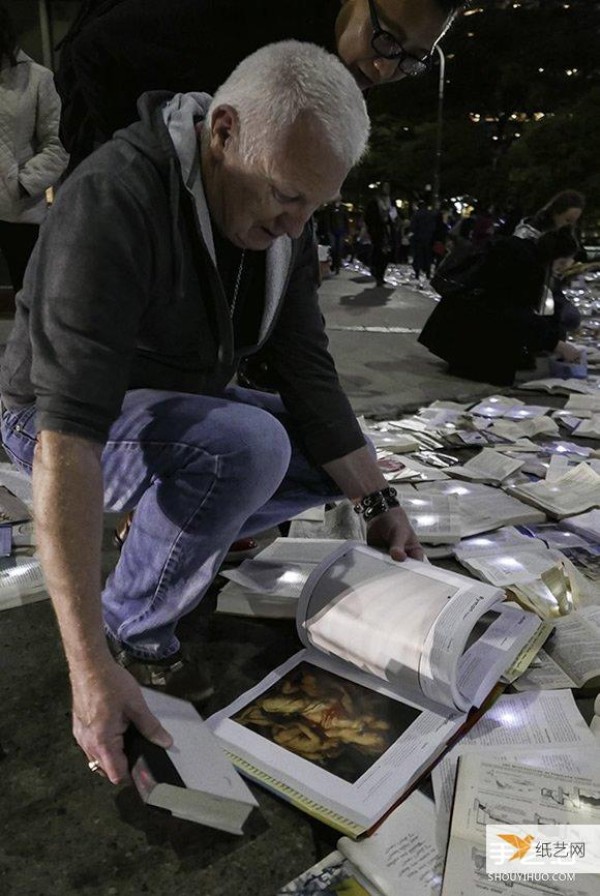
x=513, y=430
x=496, y=406
x=487, y=466
x=587, y=403
x=586, y=524
x=544, y=674
x=401, y=856
x=343, y=749
x=21, y=581
x=575, y=645
x=576, y=491
x=515, y=791
x=554, y=384
x=333, y=874
x=483, y=508
x=283, y=567
x=544, y=724
x=590, y=428
x=407, y=624
x=435, y=518
x=235, y=600
x=512, y=565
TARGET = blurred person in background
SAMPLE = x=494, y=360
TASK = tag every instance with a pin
x=563, y=210
x=486, y=331
x=31, y=155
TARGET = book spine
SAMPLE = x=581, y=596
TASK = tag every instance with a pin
x=149, y=764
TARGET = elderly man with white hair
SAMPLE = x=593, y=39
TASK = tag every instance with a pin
x=176, y=248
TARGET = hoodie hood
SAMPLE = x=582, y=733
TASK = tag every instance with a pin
x=526, y=231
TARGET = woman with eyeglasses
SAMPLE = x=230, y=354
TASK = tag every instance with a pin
x=117, y=49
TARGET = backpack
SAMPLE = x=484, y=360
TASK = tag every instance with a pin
x=459, y=271
x=76, y=125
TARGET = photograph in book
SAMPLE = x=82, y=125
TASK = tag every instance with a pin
x=395, y=656
x=339, y=725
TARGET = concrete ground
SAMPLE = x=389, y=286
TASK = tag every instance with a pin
x=66, y=831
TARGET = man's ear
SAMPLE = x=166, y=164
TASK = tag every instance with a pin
x=224, y=129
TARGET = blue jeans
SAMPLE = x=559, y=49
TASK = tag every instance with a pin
x=201, y=472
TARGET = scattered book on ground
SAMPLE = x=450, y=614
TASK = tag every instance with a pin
x=12, y=510
x=332, y=875
x=547, y=724
x=487, y=466
x=395, y=656
x=21, y=581
x=483, y=508
x=575, y=492
x=490, y=791
x=562, y=387
x=193, y=779
x=401, y=856
x=571, y=655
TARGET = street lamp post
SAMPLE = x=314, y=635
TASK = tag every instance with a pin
x=437, y=171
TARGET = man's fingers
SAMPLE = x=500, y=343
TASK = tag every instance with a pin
x=149, y=726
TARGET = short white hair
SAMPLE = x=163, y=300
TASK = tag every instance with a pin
x=270, y=89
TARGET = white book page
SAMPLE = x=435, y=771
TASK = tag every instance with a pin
x=496, y=406
x=401, y=856
x=283, y=567
x=544, y=675
x=428, y=616
x=514, y=430
x=576, y=491
x=575, y=644
x=513, y=790
x=584, y=524
x=513, y=565
x=344, y=710
x=583, y=403
x=541, y=721
x=488, y=465
x=435, y=518
x=589, y=429
x=20, y=578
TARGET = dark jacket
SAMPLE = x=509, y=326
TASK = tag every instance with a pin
x=182, y=46
x=122, y=294
x=482, y=333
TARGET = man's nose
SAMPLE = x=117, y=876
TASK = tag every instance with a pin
x=387, y=69
x=293, y=222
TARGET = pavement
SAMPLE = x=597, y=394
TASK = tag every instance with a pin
x=66, y=831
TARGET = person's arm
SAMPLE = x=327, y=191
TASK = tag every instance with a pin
x=68, y=511
x=358, y=475
x=45, y=167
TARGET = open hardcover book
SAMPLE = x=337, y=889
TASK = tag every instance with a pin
x=395, y=655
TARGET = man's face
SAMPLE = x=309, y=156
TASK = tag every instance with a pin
x=254, y=203
x=416, y=24
x=570, y=217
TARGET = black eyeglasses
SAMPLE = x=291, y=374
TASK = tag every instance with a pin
x=387, y=46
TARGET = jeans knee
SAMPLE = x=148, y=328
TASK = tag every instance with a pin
x=263, y=448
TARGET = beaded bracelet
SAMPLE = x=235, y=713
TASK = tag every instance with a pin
x=376, y=503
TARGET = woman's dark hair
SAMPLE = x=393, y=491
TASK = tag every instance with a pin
x=8, y=38
x=544, y=218
x=559, y=243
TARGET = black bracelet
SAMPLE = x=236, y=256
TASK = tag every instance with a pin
x=376, y=503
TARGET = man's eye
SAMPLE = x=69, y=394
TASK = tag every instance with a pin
x=281, y=197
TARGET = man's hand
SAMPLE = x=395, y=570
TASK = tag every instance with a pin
x=103, y=706
x=568, y=352
x=392, y=530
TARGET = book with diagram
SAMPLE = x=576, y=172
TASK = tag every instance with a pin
x=490, y=791
x=395, y=656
